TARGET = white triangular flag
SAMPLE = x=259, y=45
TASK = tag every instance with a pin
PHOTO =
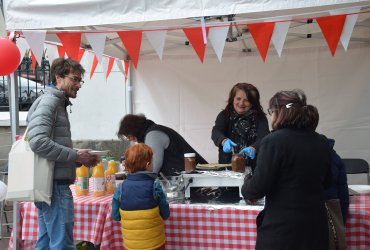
x=97, y=42
x=157, y=39
x=279, y=35
x=22, y=46
x=90, y=60
x=51, y=52
x=105, y=63
x=348, y=25
x=119, y=64
x=35, y=40
x=217, y=36
x=83, y=61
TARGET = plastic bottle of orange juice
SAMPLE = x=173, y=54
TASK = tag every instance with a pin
x=110, y=177
x=82, y=181
x=98, y=180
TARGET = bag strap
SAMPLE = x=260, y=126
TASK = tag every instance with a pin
x=332, y=227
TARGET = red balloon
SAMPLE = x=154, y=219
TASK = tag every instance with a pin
x=9, y=57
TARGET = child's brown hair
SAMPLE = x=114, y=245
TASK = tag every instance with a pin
x=138, y=157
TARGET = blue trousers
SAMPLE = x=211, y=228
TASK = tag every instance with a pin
x=56, y=221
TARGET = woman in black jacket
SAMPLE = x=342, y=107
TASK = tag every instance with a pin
x=292, y=172
x=241, y=125
x=169, y=146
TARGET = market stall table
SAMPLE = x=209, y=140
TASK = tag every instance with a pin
x=191, y=226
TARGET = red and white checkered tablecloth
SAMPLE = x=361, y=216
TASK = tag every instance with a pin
x=191, y=226
x=358, y=223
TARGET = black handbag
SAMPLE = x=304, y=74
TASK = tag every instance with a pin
x=337, y=234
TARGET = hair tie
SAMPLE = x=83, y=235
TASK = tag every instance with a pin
x=289, y=105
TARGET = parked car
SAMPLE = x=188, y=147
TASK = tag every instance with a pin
x=28, y=91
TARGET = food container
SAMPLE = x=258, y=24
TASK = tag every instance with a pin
x=120, y=177
x=238, y=163
x=190, y=162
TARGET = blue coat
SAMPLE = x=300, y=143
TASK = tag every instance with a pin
x=140, y=191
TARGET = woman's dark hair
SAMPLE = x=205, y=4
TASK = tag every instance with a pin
x=292, y=111
x=131, y=125
x=252, y=94
x=62, y=67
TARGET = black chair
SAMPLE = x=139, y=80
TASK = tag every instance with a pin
x=357, y=171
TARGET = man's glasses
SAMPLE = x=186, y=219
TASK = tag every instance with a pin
x=76, y=79
x=123, y=138
x=126, y=138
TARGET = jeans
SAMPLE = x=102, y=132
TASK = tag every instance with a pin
x=56, y=221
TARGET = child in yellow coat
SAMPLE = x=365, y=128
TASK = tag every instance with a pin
x=140, y=203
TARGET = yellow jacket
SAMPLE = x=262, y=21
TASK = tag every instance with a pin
x=142, y=229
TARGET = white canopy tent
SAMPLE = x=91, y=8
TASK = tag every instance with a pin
x=181, y=92
x=114, y=15
x=240, y=62
x=43, y=14
x=164, y=90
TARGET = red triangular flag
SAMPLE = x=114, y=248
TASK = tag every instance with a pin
x=195, y=37
x=110, y=66
x=132, y=42
x=331, y=27
x=71, y=43
x=81, y=53
x=33, y=65
x=126, y=69
x=61, y=51
x=93, y=66
x=262, y=33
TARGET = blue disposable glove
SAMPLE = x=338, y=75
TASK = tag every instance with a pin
x=249, y=151
x=228, y=146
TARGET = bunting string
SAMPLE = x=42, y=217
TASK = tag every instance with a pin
x=262, y=30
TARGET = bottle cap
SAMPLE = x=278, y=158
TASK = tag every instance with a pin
x=189, y=155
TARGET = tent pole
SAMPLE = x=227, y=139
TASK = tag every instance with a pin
x=130, y=89
x=14, y=125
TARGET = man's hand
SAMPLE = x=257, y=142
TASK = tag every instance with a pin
x=85, y=158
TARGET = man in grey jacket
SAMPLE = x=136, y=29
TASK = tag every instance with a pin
x=49, y=136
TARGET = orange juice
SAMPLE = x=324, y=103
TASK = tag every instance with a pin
x=110, y=178
x=98, y=180
x=82, y=181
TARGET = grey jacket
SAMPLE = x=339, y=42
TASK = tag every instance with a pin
x=49, y=133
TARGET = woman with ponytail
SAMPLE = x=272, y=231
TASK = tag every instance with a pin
x=292, y=172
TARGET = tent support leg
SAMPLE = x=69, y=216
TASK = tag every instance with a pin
x=14, y=124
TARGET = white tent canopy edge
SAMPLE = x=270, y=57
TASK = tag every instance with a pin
x=45, y=14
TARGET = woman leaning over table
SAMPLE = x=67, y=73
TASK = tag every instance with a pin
x=241, y=125
x=292, y=171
